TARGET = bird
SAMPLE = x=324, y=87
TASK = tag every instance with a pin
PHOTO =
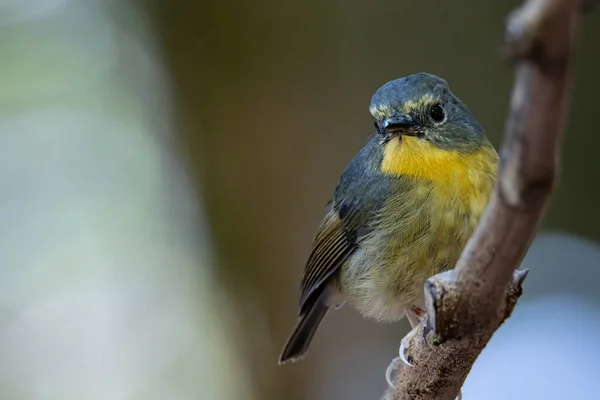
x=402, y=211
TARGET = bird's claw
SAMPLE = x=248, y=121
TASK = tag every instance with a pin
x=401, y=351
x=396, y=362
x=390, y=369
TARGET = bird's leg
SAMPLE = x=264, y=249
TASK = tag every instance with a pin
x=414, y=315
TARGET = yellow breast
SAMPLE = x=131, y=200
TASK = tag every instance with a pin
x=466, y=179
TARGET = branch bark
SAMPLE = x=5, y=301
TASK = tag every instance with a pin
x=465, y=306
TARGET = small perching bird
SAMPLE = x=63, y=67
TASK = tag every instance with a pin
x=402, y=211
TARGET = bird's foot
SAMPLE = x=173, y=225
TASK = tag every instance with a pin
x=402, y=349
x=391, y=369
x=398, y=361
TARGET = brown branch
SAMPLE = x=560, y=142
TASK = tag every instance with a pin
x=466, y=306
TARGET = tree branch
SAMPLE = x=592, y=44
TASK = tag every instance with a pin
x=466, y=306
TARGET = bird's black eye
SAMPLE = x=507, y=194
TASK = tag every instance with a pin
x=436, y=113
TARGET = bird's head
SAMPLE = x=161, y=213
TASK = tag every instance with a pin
x=422, y=106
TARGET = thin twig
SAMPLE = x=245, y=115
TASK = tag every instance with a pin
x=466, y=306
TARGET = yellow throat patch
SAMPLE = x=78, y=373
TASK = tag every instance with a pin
x=450, y=171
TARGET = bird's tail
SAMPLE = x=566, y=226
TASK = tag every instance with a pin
x=307, y=325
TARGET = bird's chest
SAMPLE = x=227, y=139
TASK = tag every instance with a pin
x=437, y=220
x=419, y=232
x=439, y=201
x=454, y=210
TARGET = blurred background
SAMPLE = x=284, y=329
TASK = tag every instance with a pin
x=164, y=165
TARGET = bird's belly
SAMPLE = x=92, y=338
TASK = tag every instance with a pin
x=385, y=276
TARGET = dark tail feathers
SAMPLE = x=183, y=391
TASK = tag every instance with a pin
x=305, y=329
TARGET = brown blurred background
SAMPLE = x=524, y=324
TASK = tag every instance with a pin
x=199, y=142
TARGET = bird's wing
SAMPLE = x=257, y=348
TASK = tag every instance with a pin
x=361, y=191
x=336, y=239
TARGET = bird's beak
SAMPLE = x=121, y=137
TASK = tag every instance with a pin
x=401, y=125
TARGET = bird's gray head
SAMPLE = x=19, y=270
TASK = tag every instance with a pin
x=423, y=106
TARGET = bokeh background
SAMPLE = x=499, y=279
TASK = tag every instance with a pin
x=163, y=167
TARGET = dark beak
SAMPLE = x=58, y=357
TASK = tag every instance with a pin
x=401, y=125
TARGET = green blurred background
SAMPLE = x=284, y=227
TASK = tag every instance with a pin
x=164, y=165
